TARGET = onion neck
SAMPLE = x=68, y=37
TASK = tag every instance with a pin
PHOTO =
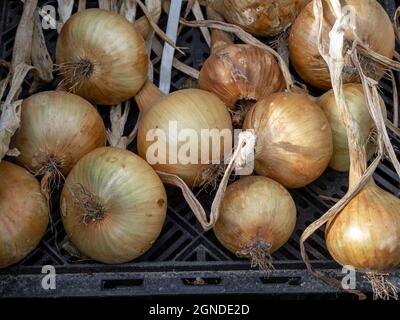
x=219, y=39
x=148, y=96
x=143, y=26
x=358, y=164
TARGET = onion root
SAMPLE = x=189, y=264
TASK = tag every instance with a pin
x=258, y=252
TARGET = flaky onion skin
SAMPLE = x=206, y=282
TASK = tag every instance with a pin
x=255, y=210
x=373, y=27
x=293, y=138
x=57, y=129
x=241, y=71
x=366, y=233
x=102, y=57
x=24, y=213
x=357, y=105
x=113, y=205
x=262, y=17
x=194, y=110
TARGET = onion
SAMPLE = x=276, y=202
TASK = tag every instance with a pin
x=192, y=109
x=101, y=57
x=294, y=139
x=366, y=233
x=113, y=205
x=373, y=28
x=240, y=72
x=24, y=213
x=356, y=102
x=257, y=217
x=260, y=17
x=57, y=129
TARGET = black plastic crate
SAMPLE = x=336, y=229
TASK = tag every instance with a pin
x=186, y=260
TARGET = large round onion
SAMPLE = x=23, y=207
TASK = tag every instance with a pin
x=101, y=57
x=257, y=217
x=366, y=233
x=189, y=109
x=261, y=17
x=24, y=213
x=57, y=129
x=241, y=71
x=294, y=139
x=357, y=105
x=373, y=27
x=113, y=205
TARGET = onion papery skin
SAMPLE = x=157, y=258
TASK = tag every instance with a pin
x=192, y=109
x=366, y=233
x=112, y=50
x=356, y=102
x=293, y=138
x=24, y=213
x=373, y=27
x=241, y=71
x=255, y=209
x=262, y=17
x=57, y=128
x=134, y=200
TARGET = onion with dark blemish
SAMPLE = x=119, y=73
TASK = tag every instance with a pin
x=113, y=205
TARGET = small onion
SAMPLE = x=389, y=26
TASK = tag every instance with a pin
x=257, y=217
x=241, y=72
x=101, y=57
x=356, y=102
x=57, y=129
x=24, y=213
x=294, y=139
x=113, y=205
x=373, y=28
x=192, y=109
x=260, y=17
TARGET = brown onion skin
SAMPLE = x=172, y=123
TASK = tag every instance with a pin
x=192, y=109
x=373, y=27
x=254, y=209
x=24, y=213
x=241, y=71
x=366, y=233
x=59, y=126
x=293, y=138
x=134, y=199
x=262, y=17
x=115, y=49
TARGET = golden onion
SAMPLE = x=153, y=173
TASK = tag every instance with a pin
x=24, y=213
x=113, y=205
x=356, y=102
x=101, y=57
x=191, y=110
x=257, y=217
x=241, y=72
x=57, y=129
x=260, y=17
x=293, y=138
x=373, y=28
